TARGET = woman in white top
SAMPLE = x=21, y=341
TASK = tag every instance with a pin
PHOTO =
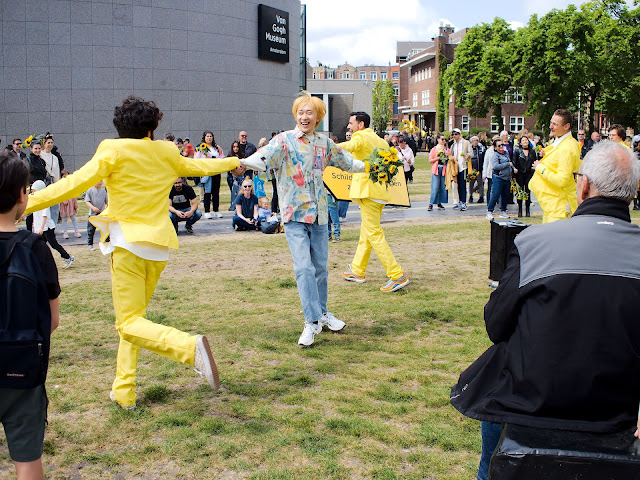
x=211, y=185
x=406, y=155
x=53, y=170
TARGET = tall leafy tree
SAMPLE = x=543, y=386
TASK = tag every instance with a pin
x=382, y=99
x=482, y=68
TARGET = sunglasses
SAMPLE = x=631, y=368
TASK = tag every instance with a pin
x=246, y=186
x=576, y=175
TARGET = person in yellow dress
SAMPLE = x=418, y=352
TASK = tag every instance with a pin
x=552, y=183
x=372, y=197
x=138, y=173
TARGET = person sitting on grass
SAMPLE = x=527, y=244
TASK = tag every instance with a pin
x=183, y=205
x=246, y=217
x=140, y=234
x=23, y=411
x=267, y=220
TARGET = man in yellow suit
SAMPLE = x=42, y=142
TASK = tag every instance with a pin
x=552, y=182
x=372, y=197
x=139, y=174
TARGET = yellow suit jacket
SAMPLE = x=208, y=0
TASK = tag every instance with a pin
x=552, y=183
x=360, y=146
x=138, y=174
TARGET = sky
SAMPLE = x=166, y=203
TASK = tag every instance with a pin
x=363, y=32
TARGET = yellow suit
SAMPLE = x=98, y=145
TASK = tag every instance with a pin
x=552, y=182
x=138, y=174
x=365, y=192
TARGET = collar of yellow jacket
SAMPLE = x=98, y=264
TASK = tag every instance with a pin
x=362, y=132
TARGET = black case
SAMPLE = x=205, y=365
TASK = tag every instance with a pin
x=502, y=235
x=527, y=453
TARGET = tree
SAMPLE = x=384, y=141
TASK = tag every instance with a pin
x=481, y=71
x=382, y=100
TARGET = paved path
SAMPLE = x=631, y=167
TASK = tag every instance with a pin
x=389, y=215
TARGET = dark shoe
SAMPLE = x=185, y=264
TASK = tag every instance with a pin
x=189, y=229
x=527, y=209
x=481, y=200
x=519, y=208
x=440, y=206
x=430, y=208
x=470, y=199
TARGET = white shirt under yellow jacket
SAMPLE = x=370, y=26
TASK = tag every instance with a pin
x=138, y=174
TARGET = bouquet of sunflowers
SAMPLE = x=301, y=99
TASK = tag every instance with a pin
x=472, y=175
x=383, y=165
x=29, y=140
x=203, y=148
x=521, y=193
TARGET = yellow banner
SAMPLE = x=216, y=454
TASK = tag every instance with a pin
x=339, y=183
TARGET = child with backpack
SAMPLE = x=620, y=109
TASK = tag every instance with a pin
x=29, y=288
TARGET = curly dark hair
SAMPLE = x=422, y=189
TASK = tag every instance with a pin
x=213, y=138
x=135, y=118
x=14, y=177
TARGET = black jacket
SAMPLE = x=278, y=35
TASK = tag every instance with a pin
x=564, y=322
x=38, y=169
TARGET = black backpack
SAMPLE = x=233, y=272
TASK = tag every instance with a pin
x=25, y=316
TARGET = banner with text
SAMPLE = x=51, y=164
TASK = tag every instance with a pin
x=339, y=183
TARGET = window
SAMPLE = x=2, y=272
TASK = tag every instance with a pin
x=345, y=75
x=513, y=95
x=396, y=90
x=383, y=75
x=416, y=78
x=450, y=123
x=330, y=74
x=516, y=124
x=363, y=75
x=450, y=95
x=314, y=75
x=429, y=72
x=465, y=123
x=395, y=75
x=428, y=97
x=424, y=97
x=374, y=76
x=415, y=99
x=494, y=124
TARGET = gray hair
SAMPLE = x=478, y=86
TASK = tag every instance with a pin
x=613, y=170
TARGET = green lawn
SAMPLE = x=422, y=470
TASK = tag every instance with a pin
x=371, y=402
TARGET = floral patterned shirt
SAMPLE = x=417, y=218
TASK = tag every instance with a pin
x=298, y=162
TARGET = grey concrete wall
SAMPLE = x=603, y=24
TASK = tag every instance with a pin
x=65, y=65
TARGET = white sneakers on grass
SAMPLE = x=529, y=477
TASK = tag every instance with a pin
x=312, y=329
x=204, y=363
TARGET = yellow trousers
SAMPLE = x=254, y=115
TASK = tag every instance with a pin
x=372, y=236
x=133, y=280
x=548, y=218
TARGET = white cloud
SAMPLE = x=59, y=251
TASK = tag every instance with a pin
x=365, y=32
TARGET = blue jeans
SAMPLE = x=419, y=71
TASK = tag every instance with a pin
x=343, y=206
x=309, y=247
x=438, y=190
x=499, y=190
x=241, y=224
x=54, y=210
x=334, y=219
x=490, y=438
x=190, y=221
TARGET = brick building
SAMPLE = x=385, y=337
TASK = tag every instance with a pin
x=420, y=64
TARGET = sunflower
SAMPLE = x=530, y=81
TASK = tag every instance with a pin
x=392, y=169
x=386, y=160
x=382, y=177
x=203, y=146
x=393, y=150
x=384, y=153
x=376, y=167
x=27, y=142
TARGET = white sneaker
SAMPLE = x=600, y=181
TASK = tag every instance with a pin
x=204, y=363
x=218, y=215
x=207, y=215
x=332, y=322
x=489, y=216
x=503, y=215
x=113, y=399
x=308, y=334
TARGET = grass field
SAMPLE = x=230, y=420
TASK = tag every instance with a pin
x=371, y=402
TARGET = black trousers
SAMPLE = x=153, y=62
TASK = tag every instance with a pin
x=214, y=196
x=50, y=237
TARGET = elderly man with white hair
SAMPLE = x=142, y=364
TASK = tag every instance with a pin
x=564, y=317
